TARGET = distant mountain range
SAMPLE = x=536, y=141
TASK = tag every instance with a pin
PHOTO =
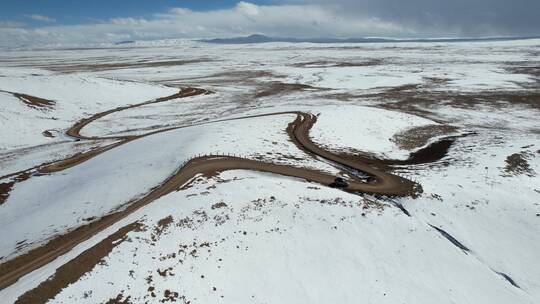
x=125, y=42
x=265, y=39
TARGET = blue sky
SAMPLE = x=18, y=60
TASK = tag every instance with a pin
x=79, y=11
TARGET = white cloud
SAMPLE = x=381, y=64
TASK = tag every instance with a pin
x=247, y=8
x=302, y=20
x=10, y=24
x=128, y=21
x=41, y=18
x=179, y=10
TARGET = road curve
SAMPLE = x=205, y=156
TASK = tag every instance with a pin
x=383, y=183
x=75, y=130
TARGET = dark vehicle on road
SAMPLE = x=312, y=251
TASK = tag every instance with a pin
x=339, y=183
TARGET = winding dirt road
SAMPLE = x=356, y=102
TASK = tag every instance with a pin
x=75, y=130
x=381, y=182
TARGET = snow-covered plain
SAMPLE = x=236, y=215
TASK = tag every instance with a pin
x=75, y=96
x=246, y=237
x=365, y=129
x=282, y=240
